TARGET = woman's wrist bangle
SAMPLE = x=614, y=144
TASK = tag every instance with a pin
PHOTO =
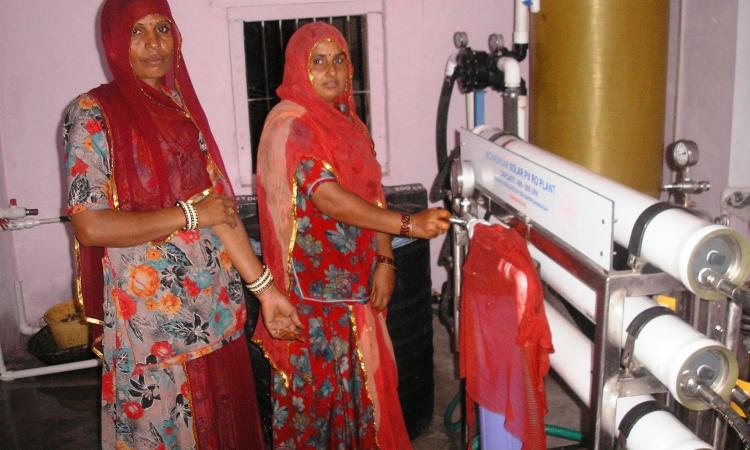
x=191, y=215
x=405, y=225
x=262, y=283
x=386, y=261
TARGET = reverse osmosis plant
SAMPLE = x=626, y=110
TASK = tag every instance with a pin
x=604, y=248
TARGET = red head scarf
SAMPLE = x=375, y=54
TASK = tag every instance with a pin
x=344, y=140
x=156, y=156
x=306, y=126
x=153, y=142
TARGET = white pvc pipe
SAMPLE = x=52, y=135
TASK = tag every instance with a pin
x=573, y=361
x=521, y=25
x=675, y=240
x=574, y=290
x=649, y=430
x=572, y=358
x=523, y=108
x=8, y=375
x=12, y=212
x=511, y=71
x=667, y=346
x=26, y=328
x=29, y=222
x=469, y=110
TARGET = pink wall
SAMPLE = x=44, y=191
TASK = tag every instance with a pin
x=8, y=273
x=55, y=57
x=705, y=90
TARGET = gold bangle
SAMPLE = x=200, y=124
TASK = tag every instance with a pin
x=386, y=261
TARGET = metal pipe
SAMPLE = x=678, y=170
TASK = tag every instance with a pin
x=469, y=110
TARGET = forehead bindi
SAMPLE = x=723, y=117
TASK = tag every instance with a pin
x=327, y=49
x=151, y=21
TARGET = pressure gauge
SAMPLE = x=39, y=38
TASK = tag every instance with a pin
x=495, y=42
x=460, y=39
x=682, y=154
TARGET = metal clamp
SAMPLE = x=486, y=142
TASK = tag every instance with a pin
x=634, y=329
x=632, y=417
x=639, y=230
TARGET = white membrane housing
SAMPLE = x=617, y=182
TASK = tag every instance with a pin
x=675, y=241
x=573, y=361
x=671, y=349
x=667, y=346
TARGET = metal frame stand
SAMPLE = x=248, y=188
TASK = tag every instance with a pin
x=610, y=380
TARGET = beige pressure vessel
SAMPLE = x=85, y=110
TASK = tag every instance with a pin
x=597, y=86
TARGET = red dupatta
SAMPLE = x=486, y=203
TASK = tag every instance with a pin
x=153, y=141
x=504, y=338
x=303, y=125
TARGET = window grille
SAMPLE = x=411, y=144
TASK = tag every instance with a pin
x=265, y=43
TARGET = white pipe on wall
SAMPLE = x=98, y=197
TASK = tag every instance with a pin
x=9, y=375
x=26, y=328
x=521, y=23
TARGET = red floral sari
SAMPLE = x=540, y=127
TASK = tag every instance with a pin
x=176, y=370
x=338, y=387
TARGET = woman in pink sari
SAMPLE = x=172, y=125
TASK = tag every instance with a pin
x=162, y=253
x=326, y=237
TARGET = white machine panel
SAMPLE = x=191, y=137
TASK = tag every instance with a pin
x=573, y=212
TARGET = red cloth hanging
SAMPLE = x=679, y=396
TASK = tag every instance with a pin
x=504, y=335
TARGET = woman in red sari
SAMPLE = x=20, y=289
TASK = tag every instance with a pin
x=147, y=184
x=326, y=236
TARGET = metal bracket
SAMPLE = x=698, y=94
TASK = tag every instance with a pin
x=736, y=202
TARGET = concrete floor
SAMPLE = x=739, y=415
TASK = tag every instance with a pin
x=60, y=411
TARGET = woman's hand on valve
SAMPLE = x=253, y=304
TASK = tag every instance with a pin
x=430, y=223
